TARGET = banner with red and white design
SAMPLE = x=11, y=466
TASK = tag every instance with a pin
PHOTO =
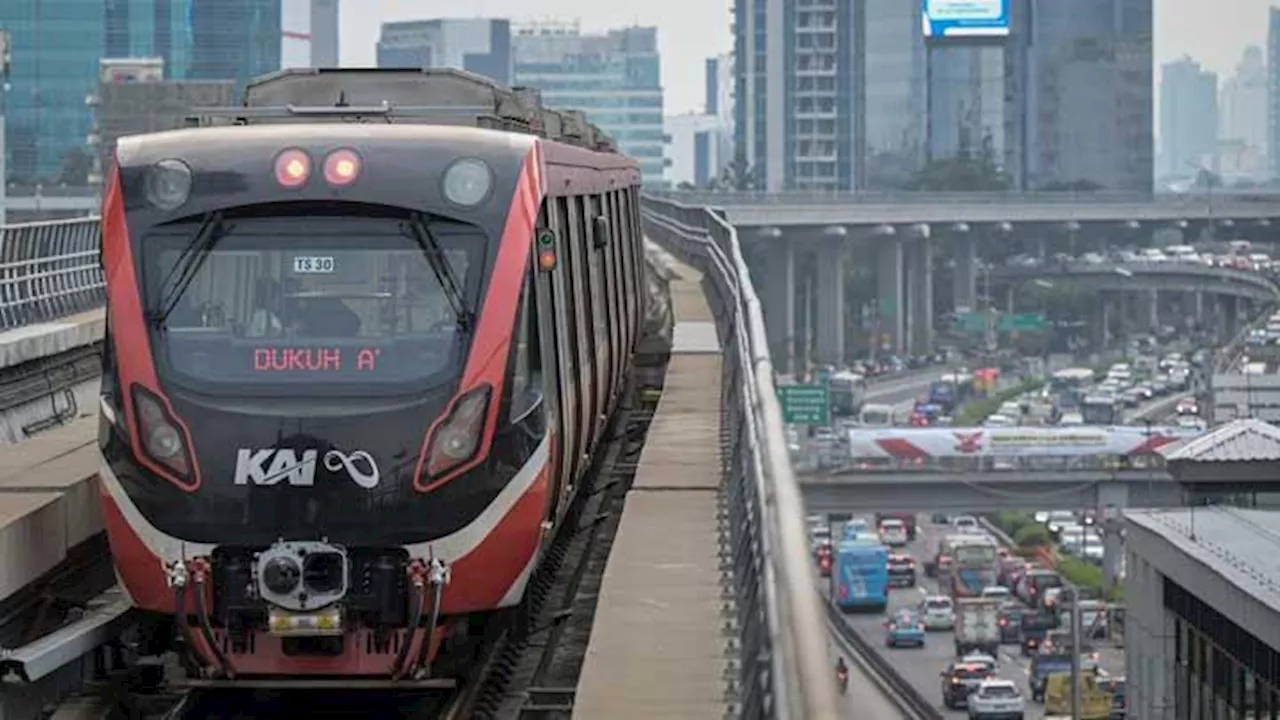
x=921, y=443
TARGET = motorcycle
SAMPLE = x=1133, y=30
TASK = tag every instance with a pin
x=842, y=676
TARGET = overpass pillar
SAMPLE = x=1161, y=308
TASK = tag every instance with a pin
x=780, y=301
x=890, y=291
x=1199, y=308
x=1231, y=311
x=1113, y=500
x=966, y=273
x=1153, y=314
x=920, y=284
x=830, y=272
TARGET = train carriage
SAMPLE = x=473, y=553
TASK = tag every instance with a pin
x=361, y=349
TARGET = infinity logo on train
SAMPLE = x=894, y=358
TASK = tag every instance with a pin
x=273, y=465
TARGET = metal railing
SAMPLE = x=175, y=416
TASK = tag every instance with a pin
x=784, y=671
x=49, y=270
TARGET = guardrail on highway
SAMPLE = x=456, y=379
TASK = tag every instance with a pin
x=818, y=197
x=49, y=270
x=784, y=670
x=1197, y=274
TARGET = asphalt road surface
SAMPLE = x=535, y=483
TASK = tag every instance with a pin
x=922, y=667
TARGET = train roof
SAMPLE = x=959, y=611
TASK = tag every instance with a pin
x=430, y=96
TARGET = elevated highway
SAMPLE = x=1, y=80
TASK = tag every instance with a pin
x=798, y=209
x=1153, y=277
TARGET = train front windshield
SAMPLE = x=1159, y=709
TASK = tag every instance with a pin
x=307, y=304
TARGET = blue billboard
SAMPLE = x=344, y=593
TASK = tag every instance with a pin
x=966, y=18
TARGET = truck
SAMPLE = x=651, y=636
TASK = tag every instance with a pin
x=977, y=626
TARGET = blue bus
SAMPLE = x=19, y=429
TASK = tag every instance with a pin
x=860, y=577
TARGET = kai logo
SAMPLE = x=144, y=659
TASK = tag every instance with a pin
x=276, y=465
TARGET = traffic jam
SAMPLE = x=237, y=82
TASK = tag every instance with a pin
x=945, y=585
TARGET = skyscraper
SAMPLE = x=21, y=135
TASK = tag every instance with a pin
x=1242, y=108
x=477, y=45
x=796, y=75
x=1078, y=75
x=150, y=28
x=892, y=142
x=614, y=78
x=1188, y=118
x=235, y=39
x=56, y=47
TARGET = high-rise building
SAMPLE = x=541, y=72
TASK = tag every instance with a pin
x=615, y=78
x=1273, y=93
x=1188, y=119
x=55, y=52
x=235, y=39
x=477, y=45
x=150, y=29
x=1078, y=76
x=796, y=79
x=308, y=33
x=891, y=142
x=1243, y=115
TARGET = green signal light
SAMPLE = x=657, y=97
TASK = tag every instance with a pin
x=546, y=237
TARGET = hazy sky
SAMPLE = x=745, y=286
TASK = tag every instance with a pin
x=1213, y=31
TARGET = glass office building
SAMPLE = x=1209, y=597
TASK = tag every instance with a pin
x=150, y=28
x=1080, y=74
x=477, y=45
x=56, y=48
x=234, y=39
x=614, y=78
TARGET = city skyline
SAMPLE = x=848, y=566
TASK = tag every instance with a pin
x=689, y=32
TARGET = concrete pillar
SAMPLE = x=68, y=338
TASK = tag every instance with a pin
x=803, y=333
x=920, y=288
x=778, y=296
x=1153, y=314
x=966, y=273
x=1113, y=499
x=830, y=289
x=890, y=295
x=1199, y=308
x=1231, y=308
x=1105, y=324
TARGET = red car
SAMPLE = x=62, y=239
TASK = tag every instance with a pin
x=823, y=556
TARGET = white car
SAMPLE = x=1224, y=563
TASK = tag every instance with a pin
x=938, y=612
x=996, y=700
x=893, y=532
x=998, y=592
x=966, y=523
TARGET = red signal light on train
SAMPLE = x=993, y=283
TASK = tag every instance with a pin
x=342, y=167
x=547, y=259
x=293, y=167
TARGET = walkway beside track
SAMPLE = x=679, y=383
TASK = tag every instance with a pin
x=656, y=649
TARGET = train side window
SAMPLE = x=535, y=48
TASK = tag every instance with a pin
x=526, y=378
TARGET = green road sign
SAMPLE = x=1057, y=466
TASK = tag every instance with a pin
x=972, y=322
x=805, y=404
x=1022, y=322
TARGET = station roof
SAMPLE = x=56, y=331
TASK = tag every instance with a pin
x=1244, y=440
x=1241, y=546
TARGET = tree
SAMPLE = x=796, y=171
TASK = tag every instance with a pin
x=737, y=175
x=77, y=164
x=685, y=186
x=1074, y=186
x=966, y=172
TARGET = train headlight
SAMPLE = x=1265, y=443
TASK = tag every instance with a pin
x=457, y=438
x=168, y=184
x=468, y=182
x=162, y=442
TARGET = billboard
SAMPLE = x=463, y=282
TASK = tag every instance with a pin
x=965, y=18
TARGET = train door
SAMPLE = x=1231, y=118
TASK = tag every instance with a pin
x=614, y=292
x=567, y=344
x=548, y=314
x=599, y=317
x=632, y=290
x=576, y=248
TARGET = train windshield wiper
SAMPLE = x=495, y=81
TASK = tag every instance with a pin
x=188, y=264
x=421, y=234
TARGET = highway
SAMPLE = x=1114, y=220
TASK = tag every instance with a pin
x=921, y=667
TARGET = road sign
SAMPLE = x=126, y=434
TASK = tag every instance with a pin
x=805, y=404
x=972, y=322
x=1022, y=322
